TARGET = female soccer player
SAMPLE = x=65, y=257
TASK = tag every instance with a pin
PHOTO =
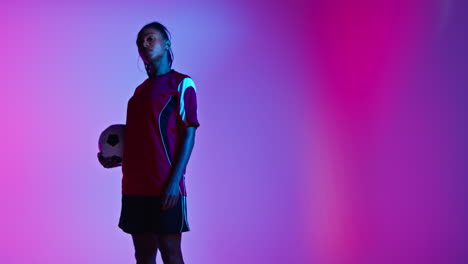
x=159, y=138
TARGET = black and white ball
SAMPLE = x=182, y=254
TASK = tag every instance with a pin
x=112, y=141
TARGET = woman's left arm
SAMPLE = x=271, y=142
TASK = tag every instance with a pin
x=171, y=193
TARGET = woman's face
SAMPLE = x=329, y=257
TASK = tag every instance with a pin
x=151, y=45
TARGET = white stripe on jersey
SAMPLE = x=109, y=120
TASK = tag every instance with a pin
x=160, y=132
x=183, y=85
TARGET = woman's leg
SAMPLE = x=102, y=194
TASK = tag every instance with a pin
x=171, y=252
x=146, y=247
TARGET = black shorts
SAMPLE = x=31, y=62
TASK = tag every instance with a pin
x=141, y=214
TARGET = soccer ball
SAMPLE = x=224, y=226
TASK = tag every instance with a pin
x=111, y=141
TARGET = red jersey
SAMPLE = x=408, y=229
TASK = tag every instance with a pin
x=156, y=114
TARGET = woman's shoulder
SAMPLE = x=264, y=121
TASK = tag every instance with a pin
x=182, y=81
x=180, y=75
x=142, y=85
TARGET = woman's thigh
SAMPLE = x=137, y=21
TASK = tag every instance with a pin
x=170, y=247
x=146, y=247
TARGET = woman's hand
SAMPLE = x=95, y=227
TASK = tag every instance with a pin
x=170, y=196
x=109, y=162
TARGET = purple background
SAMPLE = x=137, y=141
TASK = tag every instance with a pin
x=331, y=131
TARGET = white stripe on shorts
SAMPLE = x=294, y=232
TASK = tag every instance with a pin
x=182, y=197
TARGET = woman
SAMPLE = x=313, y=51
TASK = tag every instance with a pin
x=159, y=138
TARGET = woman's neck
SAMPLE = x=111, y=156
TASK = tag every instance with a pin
x=159, y=67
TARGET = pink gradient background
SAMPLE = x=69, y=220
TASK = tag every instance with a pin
x=331, y=131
